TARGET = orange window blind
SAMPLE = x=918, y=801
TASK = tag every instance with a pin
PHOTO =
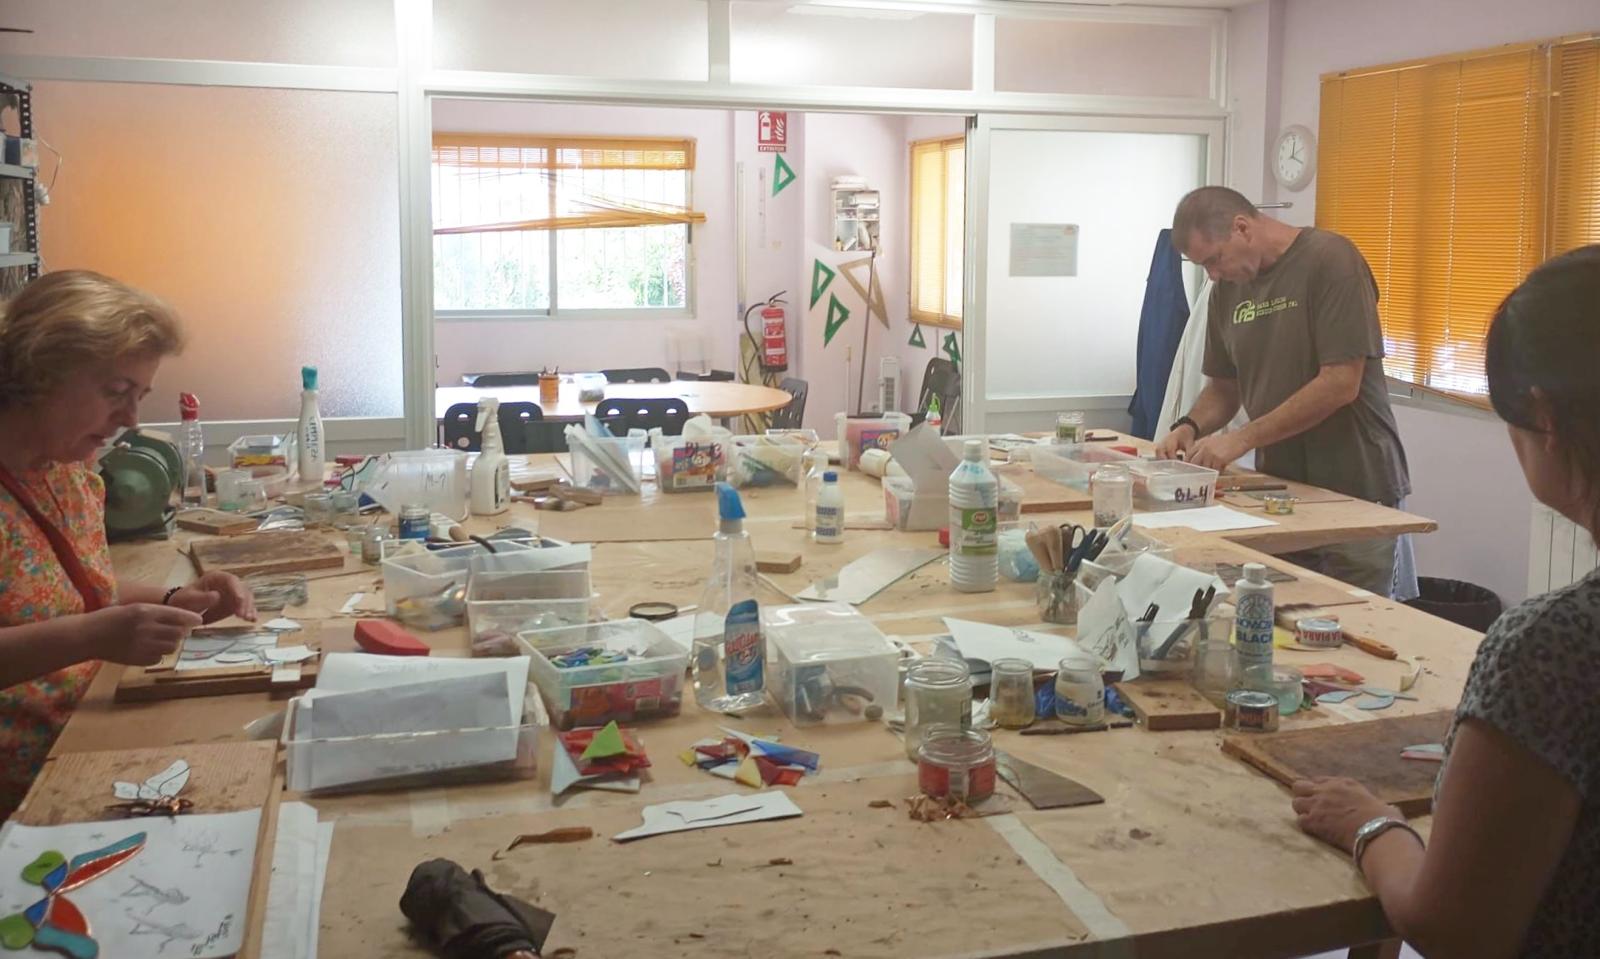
x=1575, y=145
x=938, y=215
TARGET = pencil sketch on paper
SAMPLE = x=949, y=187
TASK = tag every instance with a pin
x=206, y=843
x=226, y=650
x=169, y=932
x=171, y=896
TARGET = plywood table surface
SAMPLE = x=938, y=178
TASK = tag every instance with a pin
x=1193, y=852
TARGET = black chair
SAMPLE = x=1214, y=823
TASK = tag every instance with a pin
x=715, y=376
x=523, y=429
x=792, y=416
x=941, y=379
x=501, y=379
x=644, y=374
x=666, y=413
x=460, y=428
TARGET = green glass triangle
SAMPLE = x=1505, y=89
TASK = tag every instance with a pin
x=782, y=176
x=916, y=336
x=952, y=349
x=606, y=743
x=821, y=276
x=837, y=314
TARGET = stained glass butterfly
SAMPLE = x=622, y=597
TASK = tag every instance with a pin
x=157, y=795
x=54, y=922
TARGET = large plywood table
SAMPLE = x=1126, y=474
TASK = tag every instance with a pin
x=1192, y=854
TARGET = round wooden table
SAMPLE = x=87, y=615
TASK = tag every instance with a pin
x=720, y=400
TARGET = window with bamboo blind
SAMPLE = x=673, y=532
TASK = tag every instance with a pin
x=545, y=224
x=1455, y=176
x=938, y=218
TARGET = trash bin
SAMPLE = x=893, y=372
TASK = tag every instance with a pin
x=1464, y=604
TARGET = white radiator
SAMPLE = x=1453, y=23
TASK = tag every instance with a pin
x=1559, y=551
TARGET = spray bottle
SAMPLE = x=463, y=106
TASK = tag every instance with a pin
x=729, y=659
x=192, y=450
x=491, y=474
x=308, y=434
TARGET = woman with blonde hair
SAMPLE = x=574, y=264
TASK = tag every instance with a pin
x=78, y=351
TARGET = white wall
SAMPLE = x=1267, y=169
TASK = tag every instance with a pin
x=465, y=346
x=1464, y=473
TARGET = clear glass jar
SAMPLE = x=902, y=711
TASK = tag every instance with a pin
x=1080, y=691
x=1113, y=494
x=956, y=762
x=1284, y=682
x=1056, y=595
x=1069, y=427
x=938, y=692
x=346, y=508
x=1215, y=672
x=319, y=510
x=1011, y=693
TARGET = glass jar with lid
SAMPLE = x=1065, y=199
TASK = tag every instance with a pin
x=937, y=692
x=1113, y=494
x=956, y=763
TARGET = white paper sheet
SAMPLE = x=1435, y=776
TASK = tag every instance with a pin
x=1209, y=519
x=347, y=672
x=989, y=642
x=1104, y=630
x=294, y=895
x=870, y=575
x=1170, y=586
x=186, y=893
x=709, y=813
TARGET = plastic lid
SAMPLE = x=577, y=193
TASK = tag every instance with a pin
x=308, y=377
x=1255, y=573
x=973, y=451
x=830, y=477
x=729, y=506
x=188, y=406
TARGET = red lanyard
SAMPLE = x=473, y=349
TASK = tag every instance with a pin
x=63, y=550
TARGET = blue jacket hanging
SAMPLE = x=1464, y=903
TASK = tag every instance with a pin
x=1161, y=322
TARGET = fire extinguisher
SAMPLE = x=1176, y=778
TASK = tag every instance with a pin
x=774, y=341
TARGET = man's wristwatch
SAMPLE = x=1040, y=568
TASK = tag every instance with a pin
x=1373, y=828
x=1185, y=421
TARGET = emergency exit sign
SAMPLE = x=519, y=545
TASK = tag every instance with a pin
x=772, y=131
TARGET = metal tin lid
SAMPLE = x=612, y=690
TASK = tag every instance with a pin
x=1252, y=699
x=1316, y=624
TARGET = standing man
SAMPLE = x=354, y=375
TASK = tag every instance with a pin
x=1293, y=336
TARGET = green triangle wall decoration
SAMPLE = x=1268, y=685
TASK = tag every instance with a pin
x=916, y=336
x=952, y=349
x=821, y=276
x=782, y=175
x=837, y=314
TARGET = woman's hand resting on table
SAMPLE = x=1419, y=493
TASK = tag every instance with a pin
x=216, y=596
x=1332, y=809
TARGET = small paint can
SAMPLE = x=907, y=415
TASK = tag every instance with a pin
x=956, y=762
x=1322, y=632
x=1279, y=504
x=1248, y=710
x=414, y=521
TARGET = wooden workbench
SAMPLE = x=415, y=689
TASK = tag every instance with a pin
x=1192, y=854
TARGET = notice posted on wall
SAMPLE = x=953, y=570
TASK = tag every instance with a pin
x=1044, y=249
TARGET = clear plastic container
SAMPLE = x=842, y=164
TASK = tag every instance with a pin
x=829, y=664
x=263, y=449
x=429, y=572
x=1113, y=495
x=1169, y=647
x=647, y=685
x=859, y=434
x=1172, y=484
x=610, y=465
x=689, y=465
x=937, y=692
x=771, y=460
x=434, y=478
x=500, y=605
x=1074, y=464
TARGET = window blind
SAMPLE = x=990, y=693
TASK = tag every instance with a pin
x=1436, y=170
x=587, y=179
x=938, y=187
x=1575, y=145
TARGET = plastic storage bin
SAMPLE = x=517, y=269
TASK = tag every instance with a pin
x=857, y=435
x=610, y=465
x=689, y=465
x=434, y=478
x=647, y=685
x=829, y=664
x=1074, y=464
x=776, y=459
x=500, y=605
x=1171, y=484
x=422, y=574
x=261, y=450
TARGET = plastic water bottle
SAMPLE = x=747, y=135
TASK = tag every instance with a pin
x=308, y=434
x=192, y=450
x=1252, y=599
x=974, y=507
x=729, y=658
x=830, y=510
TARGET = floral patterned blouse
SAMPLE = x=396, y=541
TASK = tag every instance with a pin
x=34, y=587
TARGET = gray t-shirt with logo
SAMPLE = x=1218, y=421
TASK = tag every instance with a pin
x=1318, y=304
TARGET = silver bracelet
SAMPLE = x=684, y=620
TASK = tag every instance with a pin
x=1373, y=828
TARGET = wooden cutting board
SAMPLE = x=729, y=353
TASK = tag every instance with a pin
x=279, y=551
x=1040, y=495
x=215, y=522
x=1168, y=704
x=1368, y=752
x=76, y=787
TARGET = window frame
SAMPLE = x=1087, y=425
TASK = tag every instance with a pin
x=913, y=310
x=687, y=311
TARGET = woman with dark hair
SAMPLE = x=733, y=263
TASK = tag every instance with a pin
x=1512, y=865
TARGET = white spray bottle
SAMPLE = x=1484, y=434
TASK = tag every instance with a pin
x=491, y=474
x=311, y=458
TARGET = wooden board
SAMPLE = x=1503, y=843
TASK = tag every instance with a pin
x=76, y=787
x=1367, y=752
x=162, y=681
x=278, y=551
x=216, y=522
x=1168, y=704
x=777, y=560
x=1040, y=495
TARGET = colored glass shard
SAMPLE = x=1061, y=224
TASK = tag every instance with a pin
x=605, y=744
x=92, y=864
x=66, y=916
x=749, y=773
x=16, y=932
x=34, y=873
x=821, y=276
x=70, y=944
x=837, y=314
x=782, y=174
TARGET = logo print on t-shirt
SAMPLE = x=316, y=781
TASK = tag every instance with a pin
x=1248, y=311
x=1244, y=312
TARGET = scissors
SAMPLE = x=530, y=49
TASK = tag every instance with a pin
x=1079, y=550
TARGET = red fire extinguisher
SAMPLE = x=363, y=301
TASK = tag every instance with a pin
x=774, y=342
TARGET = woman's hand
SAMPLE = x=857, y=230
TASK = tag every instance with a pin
x=1333, y=809
x=216, y=596
x=138, y=634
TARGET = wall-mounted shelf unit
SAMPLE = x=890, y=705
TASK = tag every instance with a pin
x=24, y=253
x=855, y=218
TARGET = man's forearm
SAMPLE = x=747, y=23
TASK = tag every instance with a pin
x=1333, y=388
x=1215, y=407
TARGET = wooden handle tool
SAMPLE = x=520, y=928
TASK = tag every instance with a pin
x=1371, y=646
x=1035, y=541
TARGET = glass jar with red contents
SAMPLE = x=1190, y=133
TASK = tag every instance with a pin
x=956, y=762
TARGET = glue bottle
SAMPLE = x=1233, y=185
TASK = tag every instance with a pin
x=830, y=510
x=491, y=474
x=192, y=449
x=933, y=417
x=308, y=434
x=1253, y=619
x=974, y=505
x=729, y=659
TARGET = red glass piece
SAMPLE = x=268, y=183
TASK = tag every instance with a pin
x=64, y=915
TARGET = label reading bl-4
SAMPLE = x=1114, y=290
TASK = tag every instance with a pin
x=744, y=656
x=977, y=531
